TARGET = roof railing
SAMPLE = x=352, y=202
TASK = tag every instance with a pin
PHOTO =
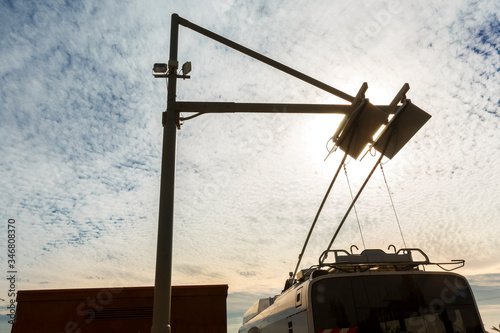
x=376, y=259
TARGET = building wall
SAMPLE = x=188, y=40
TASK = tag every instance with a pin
x=194, y=309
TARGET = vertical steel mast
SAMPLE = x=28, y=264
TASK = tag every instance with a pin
x=163, y=277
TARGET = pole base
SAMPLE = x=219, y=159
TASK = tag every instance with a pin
x=160, y=328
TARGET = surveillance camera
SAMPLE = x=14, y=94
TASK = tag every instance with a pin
x=160, y=68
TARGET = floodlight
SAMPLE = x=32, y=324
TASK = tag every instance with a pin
x=160, y=68
x=186, y=68
x=401, y=128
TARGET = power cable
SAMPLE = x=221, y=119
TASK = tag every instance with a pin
x=355, y=211
x=393, y=206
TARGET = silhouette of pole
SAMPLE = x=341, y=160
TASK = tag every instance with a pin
x=163, y=276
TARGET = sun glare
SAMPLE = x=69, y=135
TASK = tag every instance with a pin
x=321, y=129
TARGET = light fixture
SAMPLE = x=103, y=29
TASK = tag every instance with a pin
x=160, y=68
x=186, y=68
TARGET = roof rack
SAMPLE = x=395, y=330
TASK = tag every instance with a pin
x=369, y=259
x=376, y=259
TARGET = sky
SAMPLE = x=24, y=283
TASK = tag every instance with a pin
x=81, y=136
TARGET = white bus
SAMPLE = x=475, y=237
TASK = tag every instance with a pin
x=369, y=292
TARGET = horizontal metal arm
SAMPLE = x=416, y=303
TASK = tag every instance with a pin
x=265, y=59
x=229, y=107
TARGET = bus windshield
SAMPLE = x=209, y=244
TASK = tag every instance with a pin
x=417, y=303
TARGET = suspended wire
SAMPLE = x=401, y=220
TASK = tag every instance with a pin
x=348, y=161
x=330, y=150
x=355, y=211
x=393, y=206
x=359, y=192
x=352, y=204
x=335, y=146
x=372, y=151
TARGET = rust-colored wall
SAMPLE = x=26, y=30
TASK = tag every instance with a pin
x=194, y=309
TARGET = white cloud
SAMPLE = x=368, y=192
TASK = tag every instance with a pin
x=80, y=137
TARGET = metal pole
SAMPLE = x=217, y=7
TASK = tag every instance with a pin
x=163, y=278
x=317, y=215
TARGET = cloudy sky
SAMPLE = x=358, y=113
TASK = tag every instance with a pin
x=80, y=140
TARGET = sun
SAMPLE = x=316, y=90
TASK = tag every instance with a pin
x=320, y=129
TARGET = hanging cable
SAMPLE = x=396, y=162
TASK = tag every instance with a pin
x=393, y=206
x=355, y=211
x=359, y=192
x=352, y=203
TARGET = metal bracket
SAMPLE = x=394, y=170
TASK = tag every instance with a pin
x=167, y=75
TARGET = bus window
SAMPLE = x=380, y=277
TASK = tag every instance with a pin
x=333, y=304
x=457, y=322
x=395, y=303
